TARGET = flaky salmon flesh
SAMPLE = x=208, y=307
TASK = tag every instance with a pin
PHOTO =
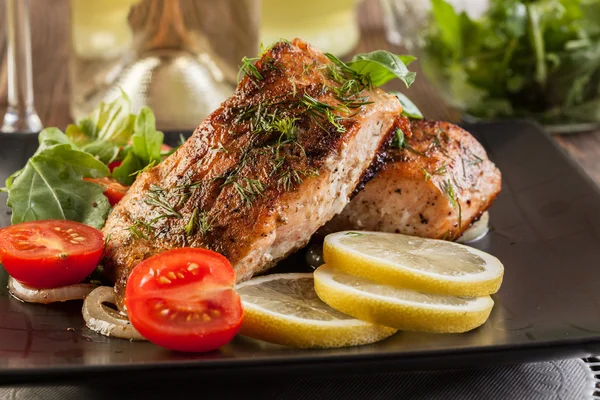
x=263, y=172
x=434, y=185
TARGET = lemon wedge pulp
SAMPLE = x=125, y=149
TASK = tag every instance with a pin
x=403, y=309
x=427, y=265
x=284, y=309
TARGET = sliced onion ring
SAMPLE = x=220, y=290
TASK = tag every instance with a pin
x=104, y=320
x=476, y=231
x=45, y=296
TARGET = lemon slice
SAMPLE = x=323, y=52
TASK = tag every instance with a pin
x=403, y=309
x=427, y=265
x=284, y=309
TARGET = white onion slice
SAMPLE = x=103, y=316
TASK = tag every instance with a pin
x=45, y=296
x=476, y=231
x=104, y=320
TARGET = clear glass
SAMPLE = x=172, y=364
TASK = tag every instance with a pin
x=329, y=25
x=464, y=84
x=179, y=57
x=20, y=114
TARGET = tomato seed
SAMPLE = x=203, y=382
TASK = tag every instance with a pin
x=192, y=267
x=215, y=313
x=206, y=318
x=171, y=275
x=180, y=275
x=164, y=280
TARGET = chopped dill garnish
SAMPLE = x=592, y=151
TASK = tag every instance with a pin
x=199, y=223
x=441, y=170
x=450, y=193
x=249, y=69
x=292, y=177
x=140, y=229
x=426, y=173
x=320, y=111
x=249, y=189
x=157, y=197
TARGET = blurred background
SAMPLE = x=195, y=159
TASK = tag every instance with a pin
x=179, y=57
x=478, y=60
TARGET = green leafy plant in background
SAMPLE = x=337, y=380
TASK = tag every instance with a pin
x=522, y=58
x=51, y=184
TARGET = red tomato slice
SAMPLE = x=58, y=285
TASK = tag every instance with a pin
x=165, y=148
x=113, y=190
x=184, y=300
x=50, y=253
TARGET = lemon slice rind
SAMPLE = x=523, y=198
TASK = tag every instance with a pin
x=399, y=313
x=377, y=269
x=289, y=330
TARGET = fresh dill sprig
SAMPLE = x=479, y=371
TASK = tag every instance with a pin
x=157, y=197
x=249, y=69
x=441, y=170
x=249, y=189
x=426, y=173
x=450, y=193
x=320, y=111
x=292, y=177
x=199, y=222
x=140, y=229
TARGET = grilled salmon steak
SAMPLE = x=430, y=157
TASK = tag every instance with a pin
x=264, y=171
x=435, y=184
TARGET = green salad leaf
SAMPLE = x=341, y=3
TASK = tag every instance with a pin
x=409, y=109
x=145, y=150
x=383, y=66
x=521, y=58
x=51, y=186
x=110, y=122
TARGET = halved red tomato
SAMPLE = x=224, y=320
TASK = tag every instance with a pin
x=184, y=300
x=114, y=164
x=113, y=190
x=50, y=253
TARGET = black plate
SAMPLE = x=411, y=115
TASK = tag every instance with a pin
x=546, y=231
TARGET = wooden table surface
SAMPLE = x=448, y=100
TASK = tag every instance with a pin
x=50, y=47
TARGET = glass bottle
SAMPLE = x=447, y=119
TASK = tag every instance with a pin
x=178, y=57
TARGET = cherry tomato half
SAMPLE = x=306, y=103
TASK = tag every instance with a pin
x=113, y=190
x=114, y=164
x=50, y=253
x=184, y=300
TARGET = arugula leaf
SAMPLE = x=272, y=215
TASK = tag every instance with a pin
x=51, y=186
x=110, y=122
x=127, y=171
x=147, y=141
x=48, y=137
x=383, y=66
x=145, y=150
x=104, y=151
x=409, y=109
